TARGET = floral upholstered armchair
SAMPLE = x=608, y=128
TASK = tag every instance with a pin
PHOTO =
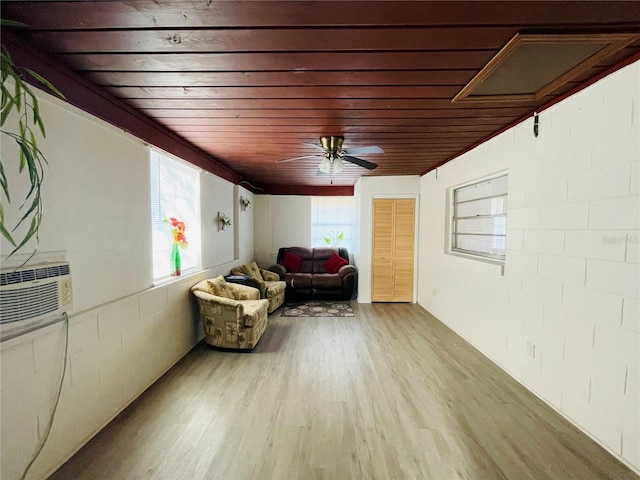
x=268, y=283
x=233, y=316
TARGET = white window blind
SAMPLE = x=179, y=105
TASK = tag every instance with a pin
x=175, y=192
x=331, y=216
x=479, y=223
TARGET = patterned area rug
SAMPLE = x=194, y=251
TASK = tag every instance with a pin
x=318, y=309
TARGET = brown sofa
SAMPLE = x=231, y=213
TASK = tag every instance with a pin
x=312, y=279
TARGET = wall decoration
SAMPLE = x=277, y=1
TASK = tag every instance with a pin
x=223, y=221
x=244, y=203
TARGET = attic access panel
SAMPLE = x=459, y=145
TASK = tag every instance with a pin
x=531, y=66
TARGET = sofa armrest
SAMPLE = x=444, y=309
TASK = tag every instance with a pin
x=214, y=299
x=346, y=269
x=206, y=299
x=269, y=276
x=244, y=292
x=279, y=269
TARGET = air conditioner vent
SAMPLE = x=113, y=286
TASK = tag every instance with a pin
x=30, y=302
x=36, y=292
x=531, y=66
x=28, y=275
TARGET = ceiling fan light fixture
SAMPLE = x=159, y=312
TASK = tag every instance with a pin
x=338, y=165
x=325, y=165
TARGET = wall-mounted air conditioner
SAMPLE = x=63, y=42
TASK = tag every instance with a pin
x=35, y=292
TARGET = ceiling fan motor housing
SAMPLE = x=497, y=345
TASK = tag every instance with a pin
x=333, y=144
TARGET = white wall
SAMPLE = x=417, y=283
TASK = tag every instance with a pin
x=96, y=206
x=123, y=332
x=280, y=221
x=217, y=195
x=244, y=226
x=571, y=283
x=366, y=189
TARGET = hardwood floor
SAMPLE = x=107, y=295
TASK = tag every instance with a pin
x=388, y=394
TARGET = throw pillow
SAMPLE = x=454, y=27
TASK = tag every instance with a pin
x=220, y=288
x=291, y=262
x=253, y=270
x=334, y=263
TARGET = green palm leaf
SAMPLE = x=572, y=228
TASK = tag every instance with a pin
x=20, y=100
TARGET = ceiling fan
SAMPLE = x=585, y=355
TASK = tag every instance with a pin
x=334, y=155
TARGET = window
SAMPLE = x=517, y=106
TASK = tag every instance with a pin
x=479, y=220
x=175, y=192
x=331, y=216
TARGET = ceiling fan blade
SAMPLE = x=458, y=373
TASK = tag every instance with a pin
x=363, y=150
x=361, y=162
x=296, y=158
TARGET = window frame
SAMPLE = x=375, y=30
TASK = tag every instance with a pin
x=498, y=259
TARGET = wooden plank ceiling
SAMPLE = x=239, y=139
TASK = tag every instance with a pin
x=250, y=83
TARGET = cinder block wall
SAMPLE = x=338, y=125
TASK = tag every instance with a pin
x=571, y=280
x=124, y=332
x=114, y=353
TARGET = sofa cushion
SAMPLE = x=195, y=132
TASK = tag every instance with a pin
x=326, y=280
x=307, y=266
x=323, y=253
x=298, y=280
x=334, y=263
x=220, y=288
x=292, y=262
x=305, y=253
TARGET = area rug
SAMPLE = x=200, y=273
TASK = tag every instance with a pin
x=318, y=309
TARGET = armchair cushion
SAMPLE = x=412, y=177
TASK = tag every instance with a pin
x=219, y=287
x=253, y=271
x=244, y=292
x=334, y=263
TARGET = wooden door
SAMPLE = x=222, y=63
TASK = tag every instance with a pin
x=382, y=251
x=392, y=250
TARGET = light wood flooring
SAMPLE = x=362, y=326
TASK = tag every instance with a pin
x=388, y=394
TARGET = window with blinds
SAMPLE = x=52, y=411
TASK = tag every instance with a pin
x=479, y=221
x=175, y=192
x=331, y=216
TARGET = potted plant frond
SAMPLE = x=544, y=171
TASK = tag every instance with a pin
x=20, y=99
